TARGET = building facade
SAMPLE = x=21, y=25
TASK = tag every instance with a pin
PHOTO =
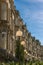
x=10, y=23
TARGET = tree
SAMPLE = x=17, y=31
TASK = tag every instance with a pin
x=19, y=52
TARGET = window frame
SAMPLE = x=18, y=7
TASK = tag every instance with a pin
x=6, y=9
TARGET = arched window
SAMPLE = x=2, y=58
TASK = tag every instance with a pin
x=3, y=11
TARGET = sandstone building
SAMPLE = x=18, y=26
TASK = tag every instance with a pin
x=10, y=23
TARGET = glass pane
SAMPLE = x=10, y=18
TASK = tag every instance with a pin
x=3, y=11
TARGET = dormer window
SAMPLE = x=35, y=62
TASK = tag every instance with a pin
x=3, y=11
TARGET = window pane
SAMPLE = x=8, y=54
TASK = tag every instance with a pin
x=3, y=11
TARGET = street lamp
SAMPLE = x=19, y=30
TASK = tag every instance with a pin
x=19, y=34
x=23, y=43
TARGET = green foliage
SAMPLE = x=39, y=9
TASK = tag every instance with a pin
x=22, y=63
x=22, y=53
x=19, y=51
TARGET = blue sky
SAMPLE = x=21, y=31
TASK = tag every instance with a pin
x=32, y=13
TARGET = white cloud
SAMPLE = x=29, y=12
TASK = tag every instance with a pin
x=37, y=16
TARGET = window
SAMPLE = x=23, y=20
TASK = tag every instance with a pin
x=3, y=34
x=3, y=11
